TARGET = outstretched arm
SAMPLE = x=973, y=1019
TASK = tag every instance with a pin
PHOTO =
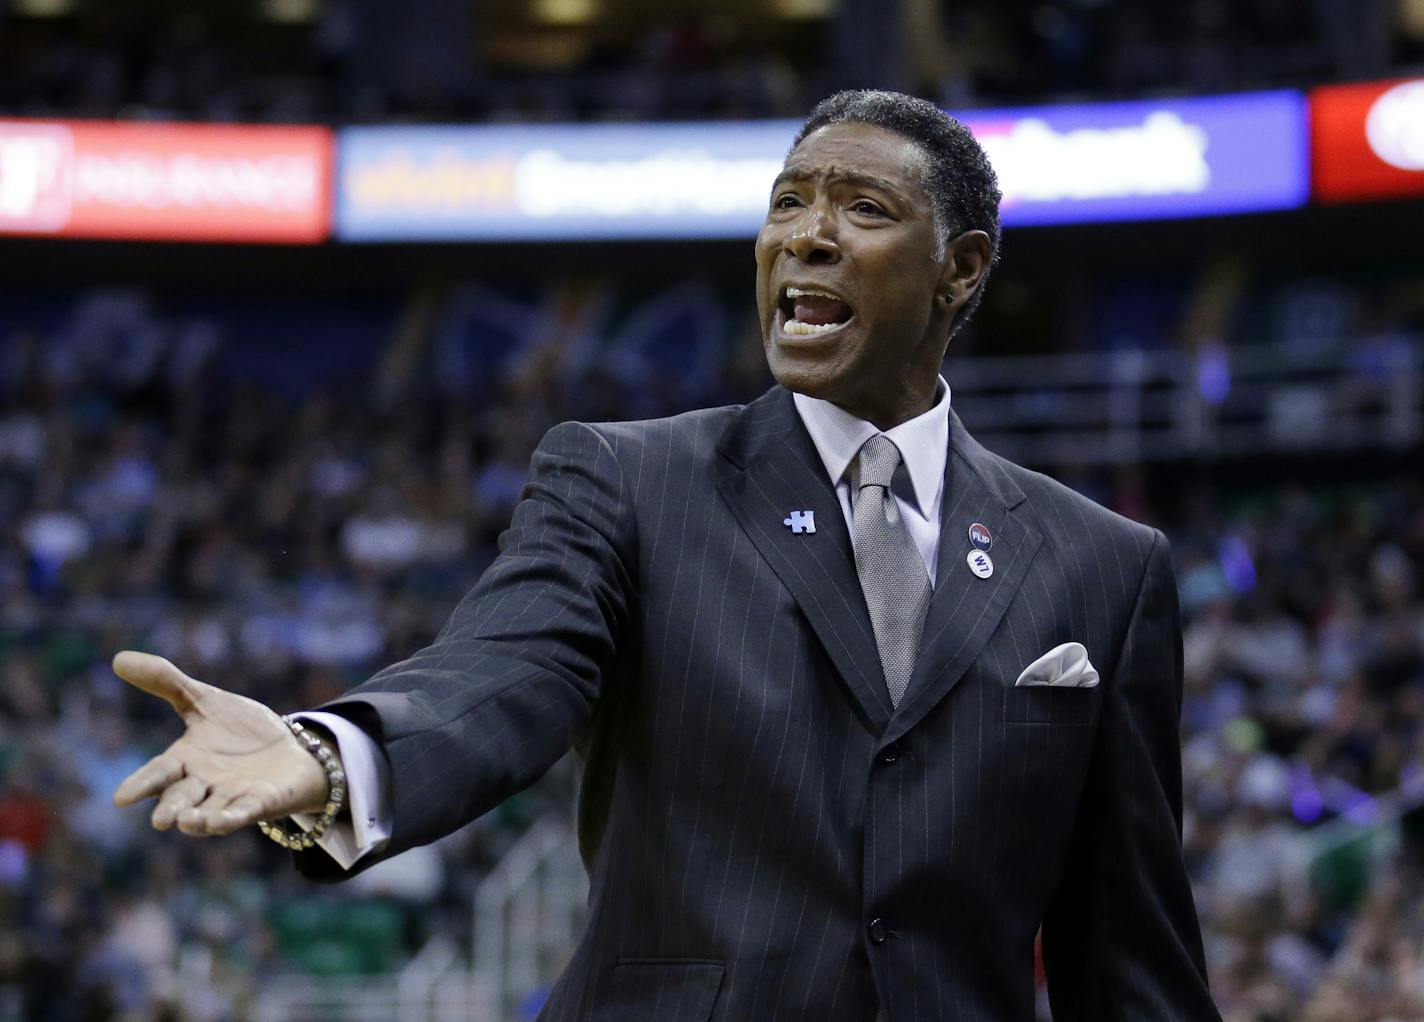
x=1121, y=940
x=482, y=712
x=515, y=674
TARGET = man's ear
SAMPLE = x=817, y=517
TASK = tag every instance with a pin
x=966, y=261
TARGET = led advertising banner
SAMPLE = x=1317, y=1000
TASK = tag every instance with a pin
x=1069, y=164
x=557, y=181
x=169, y=182
x=1367, y=141
x=1147, y=160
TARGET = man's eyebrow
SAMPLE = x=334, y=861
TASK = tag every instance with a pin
x=853, y=177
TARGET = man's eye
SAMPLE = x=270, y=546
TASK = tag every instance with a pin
x=785, y=201
x=867, y=207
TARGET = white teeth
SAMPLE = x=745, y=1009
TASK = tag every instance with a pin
x=799, y=329
x=796, y=328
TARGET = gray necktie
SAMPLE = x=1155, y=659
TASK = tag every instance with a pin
x=892, y=573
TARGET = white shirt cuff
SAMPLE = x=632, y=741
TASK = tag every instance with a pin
x=368, y=793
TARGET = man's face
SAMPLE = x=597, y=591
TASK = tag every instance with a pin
x=848, y=274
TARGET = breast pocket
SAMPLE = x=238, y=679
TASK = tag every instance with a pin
x=1049, y=704
x=659, y=990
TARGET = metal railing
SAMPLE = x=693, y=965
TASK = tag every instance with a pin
x=526, y=918
x=1136, y=405
x=417, y=993
x=527, y=914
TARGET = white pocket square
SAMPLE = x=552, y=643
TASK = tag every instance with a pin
x=1064, y=666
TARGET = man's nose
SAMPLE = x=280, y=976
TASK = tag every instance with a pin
x=814, y=239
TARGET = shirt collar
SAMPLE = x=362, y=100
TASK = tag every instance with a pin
x=923, y=441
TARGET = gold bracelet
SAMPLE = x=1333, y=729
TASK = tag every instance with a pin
x=336, y=793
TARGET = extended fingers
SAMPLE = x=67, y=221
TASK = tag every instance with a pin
x=176, y=799
x=227, y=808
x=242, y=811
x=150, y=779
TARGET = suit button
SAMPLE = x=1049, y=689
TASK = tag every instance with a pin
x=877, y=931
x=888, y=755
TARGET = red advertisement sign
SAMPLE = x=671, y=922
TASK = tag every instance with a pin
x=1367, y=140
x=170, y=182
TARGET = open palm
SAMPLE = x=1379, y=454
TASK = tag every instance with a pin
x=236, y=763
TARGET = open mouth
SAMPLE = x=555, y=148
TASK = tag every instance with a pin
x=811, y=312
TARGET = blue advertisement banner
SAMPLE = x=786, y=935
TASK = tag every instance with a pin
x=1206, y=156
x=1063, y=164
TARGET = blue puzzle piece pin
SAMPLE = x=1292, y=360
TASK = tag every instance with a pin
x=800, y=521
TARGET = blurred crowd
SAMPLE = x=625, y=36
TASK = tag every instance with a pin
x=1303, y=744
x=346, y=61
x=157, y=491
x=1087, y=48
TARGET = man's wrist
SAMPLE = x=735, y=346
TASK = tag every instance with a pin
x=333, y=750
x=331, y=745
x=335, y=780
x=365, y=825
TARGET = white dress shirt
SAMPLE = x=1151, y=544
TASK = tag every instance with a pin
x=918, y=487
x=368, y=793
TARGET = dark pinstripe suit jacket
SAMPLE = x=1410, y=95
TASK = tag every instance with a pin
x=766, y=839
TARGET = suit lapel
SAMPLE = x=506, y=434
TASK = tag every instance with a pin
x=769, y=468
x=965, y=609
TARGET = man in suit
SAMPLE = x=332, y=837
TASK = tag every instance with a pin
x=861, y=706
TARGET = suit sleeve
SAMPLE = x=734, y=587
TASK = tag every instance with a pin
x=516, y=671
x=1121, y=940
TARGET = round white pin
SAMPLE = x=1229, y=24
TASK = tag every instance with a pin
x=980, y=563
